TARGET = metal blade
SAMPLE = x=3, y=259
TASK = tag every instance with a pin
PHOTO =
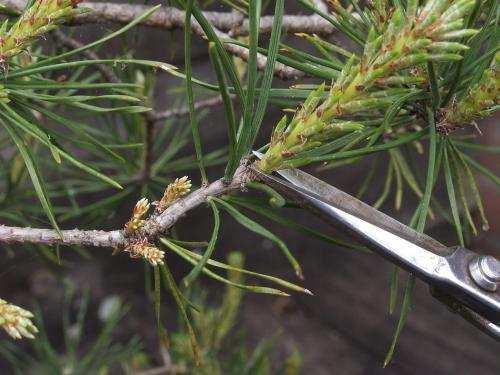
x=347, y=203
x=428, y=259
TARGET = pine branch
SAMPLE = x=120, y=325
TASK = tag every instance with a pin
x=409, y=40
x=158, y=224
x=173, y=18
x=109, y=75
x=170, y=18
x=184, y=111
x=42, y=17
x=480, y=101
x=50, y=237
x=150, y=229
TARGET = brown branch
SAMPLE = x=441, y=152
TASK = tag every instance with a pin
x=166, y=18
x=109, y=75
x=310, y=24
x=181, y=112
x=226, y=25
x=153, y=227
x=280, y=69
x=50, y=237
x=172, y=18
x=158, y=224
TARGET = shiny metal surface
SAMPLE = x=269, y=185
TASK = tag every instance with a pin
x=440, y=266
x=485, y=271
x=347, y=203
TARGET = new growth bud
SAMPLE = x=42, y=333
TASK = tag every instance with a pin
x=136, y=221
x=175, y=190
x=16, y=321
x=370, y=83
x=143, y=249
x=481, y=98
x=40, y=18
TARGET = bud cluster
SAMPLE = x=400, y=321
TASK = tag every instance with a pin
x=40, y=18
x=476, y=104
x=16, y=321
x=143, y=249
x=141, y=208
x=409, y=39
x=175, y=190
x=139, y=246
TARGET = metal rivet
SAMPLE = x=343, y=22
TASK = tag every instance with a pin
x=485, y=271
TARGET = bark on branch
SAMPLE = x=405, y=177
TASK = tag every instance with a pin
x=152, y=228
x=226, y=25
x=50, y=237
x=184, y=111
x=170, y=18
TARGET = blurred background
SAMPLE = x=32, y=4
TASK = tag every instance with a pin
x=345, y=328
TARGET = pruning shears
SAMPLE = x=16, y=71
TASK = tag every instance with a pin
x=467, y=282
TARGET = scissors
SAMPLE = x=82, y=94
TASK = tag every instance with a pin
x=467, y=282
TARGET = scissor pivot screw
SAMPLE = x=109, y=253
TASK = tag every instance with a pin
x=485, y=271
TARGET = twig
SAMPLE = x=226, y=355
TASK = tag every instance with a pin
x=280, y=69
x=97, y=238
x=153, y=227
x=110, y=76
x=310, y=24
x=157, y=224
x=180, y=112
x=172, y=18
x=167, y=18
